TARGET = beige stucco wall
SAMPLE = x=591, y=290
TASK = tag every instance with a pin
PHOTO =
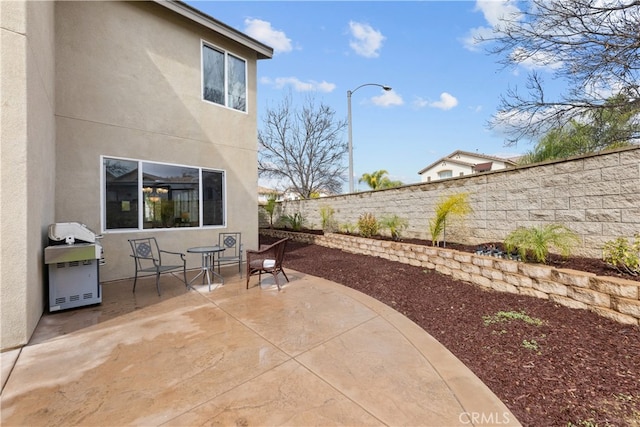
x=597, y=196
x=128, y=84
x=80, y=80
x=27, y=138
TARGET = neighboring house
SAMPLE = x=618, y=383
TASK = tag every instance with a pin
x=129, y=117
x=461, y=163
x=292, y=194
x=264, y=193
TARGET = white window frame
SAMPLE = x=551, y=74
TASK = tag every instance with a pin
x=448, y=172
x=226, y=54
x=140, y=227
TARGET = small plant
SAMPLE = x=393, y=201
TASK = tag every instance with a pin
x=583, y=423
x=530, y=345
x=536, y=241
x=328, y=222
x=348, y=228
x=623, y=255
x=295, y=221
x=454, y=205
x=270, y=207
x=506, y=316
x=368, y=225
x=394, y=224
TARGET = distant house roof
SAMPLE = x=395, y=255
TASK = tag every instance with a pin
x=181, y=8
x=483, y=167
x=266, y=190
x=450, y=158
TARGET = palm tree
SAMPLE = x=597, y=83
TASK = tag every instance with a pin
x=536, y=241
x=378, y=180
x=454, y=205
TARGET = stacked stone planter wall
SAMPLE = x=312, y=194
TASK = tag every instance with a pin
x=597, y=196
x=610, y=297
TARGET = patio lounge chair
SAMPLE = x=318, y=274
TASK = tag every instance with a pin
x=148, y=259
x=267, y=260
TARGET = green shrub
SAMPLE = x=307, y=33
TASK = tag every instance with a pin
x=328, y=222
x=507, y=316
x=623, y=255
x=295, y=221
x=348, y=228
x=454, y=205
x=394, y=224
x=536, y=241
x=270, y=207
x=367, y=225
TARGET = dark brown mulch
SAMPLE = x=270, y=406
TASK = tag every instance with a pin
x=590, y=265
x=577, y=367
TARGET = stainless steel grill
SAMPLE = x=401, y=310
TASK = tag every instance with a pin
x=74, y=257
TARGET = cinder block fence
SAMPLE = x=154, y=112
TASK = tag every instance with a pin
x=596, y=196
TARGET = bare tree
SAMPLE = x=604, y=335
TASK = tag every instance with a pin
x=593, y=45
x=303, y=146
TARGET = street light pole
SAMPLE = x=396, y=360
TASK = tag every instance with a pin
x=349, y=93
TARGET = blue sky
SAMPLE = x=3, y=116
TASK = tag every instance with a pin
x=445, y=88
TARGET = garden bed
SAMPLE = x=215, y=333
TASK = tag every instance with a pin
x=588, y=265
x=572, y=368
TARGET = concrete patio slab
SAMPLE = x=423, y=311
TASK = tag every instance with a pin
x=314, y=353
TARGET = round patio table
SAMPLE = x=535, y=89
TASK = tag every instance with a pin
x=208, y=254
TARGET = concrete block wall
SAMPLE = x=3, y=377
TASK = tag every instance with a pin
x=597, y=196
x=610, y=297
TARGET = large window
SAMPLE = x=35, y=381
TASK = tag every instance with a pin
x=445, y=174
x=224, y=78
x=143, y=195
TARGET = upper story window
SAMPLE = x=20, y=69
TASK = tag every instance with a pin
x=224, y=78
x=142, y=195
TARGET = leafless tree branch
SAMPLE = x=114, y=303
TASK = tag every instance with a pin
x=593, y=46
x=304, y=146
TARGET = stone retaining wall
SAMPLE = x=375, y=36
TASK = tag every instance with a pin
x=610, y=297
x=597, y=196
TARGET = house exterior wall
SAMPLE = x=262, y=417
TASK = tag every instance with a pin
x=596, y=196
x=81, y=80
x=129, y=85
x=27, y=173
x=456, y=170
x=457, y=165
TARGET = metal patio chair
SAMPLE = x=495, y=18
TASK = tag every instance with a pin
x=148, y=259
x=232, y=244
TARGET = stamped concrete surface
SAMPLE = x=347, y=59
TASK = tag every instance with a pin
x=314, y=353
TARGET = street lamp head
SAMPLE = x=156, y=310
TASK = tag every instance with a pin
x=387, y=88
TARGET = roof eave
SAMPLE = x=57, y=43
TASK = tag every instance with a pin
x=181, y=8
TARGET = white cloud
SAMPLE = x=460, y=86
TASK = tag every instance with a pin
x=263, y=32
x=420, y=102
x=365, y=41
x=471, y=41
x=387, y=99
x=537, y=60
x=446, y=102
x=298, y=85
x=493, y=11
